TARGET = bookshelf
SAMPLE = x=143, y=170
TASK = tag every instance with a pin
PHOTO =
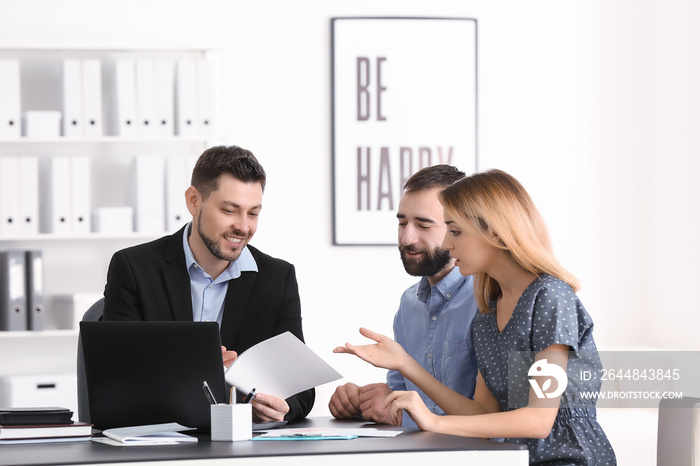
x=77, y=263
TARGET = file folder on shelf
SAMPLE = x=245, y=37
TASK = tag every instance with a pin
x=56, y=196
x=113, y=220
x=177, y=176
x=42, y=124
x=186, y=99
x=34, y=265
x=72, y=99
x=28, y=195
x=10, y=103
x=9, y=191
x=13, y=303
x=164, y=82
x=205, y=98
x=126, y=98
x=93, y=120
x=145, y=101
x=80, y=195
x=147, y=195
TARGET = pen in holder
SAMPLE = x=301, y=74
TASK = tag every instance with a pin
x=231, y=422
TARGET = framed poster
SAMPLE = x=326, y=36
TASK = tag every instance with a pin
x=403, y=98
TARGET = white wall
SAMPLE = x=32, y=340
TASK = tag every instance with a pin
x=672, y=140
x=593, y=105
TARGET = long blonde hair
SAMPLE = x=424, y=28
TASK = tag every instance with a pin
x=495, y=202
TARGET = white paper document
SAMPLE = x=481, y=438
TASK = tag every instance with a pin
x=156, y=434
x=319, y=433
x=280, y=366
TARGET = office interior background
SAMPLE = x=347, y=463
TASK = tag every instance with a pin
x=593, y=105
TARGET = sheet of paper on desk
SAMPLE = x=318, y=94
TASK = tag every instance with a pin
x=329, y=432
x=173, y=438
x=280, y=366
x=155, y=434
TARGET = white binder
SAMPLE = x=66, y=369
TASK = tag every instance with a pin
x=10, y=104
x=80, y=195
x=93, y=119
x=56, y=196
x=126, y=98
x=72, y=98
x=186, y=122
x=28, y=195
x=145, y=100
x=148, y=193
x=9, y=202
x=176, y=183
x=206, y=98
x=164, y=79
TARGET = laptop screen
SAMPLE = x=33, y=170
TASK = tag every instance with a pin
x=140, y=373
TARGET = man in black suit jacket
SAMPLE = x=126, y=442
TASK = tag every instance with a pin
x=208, y=271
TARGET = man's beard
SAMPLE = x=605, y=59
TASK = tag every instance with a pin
x=213, y=246
x=433, y=261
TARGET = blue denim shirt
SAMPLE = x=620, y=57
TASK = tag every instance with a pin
x=208, y=295
x=434, y=325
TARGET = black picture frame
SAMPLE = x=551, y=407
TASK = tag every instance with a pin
x=399, y=40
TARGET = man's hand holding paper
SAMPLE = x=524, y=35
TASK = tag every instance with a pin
x=278, y=368
x=267, y=408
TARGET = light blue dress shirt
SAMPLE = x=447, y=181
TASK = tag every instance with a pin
x=434, y=325
x=208, y=295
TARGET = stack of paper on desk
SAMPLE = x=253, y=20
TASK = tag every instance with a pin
x=280, y=366
x=156, y=434
x=314, y=433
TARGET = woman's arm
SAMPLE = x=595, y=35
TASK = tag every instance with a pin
x=534, y=421
x=388, y=354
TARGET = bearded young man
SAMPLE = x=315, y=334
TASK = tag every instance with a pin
x=434, y=320
x=207, y=271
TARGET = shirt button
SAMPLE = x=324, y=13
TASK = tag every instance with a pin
x=449, y=295
x=434, y=317
x=430, y=355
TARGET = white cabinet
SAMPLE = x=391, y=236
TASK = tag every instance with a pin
x=77, y=263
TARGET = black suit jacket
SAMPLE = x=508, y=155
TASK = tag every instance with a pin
x=150, y=282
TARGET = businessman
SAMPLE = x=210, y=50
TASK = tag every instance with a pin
x=208, y=271
x=434, y=320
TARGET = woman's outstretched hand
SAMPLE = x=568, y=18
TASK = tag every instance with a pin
x=385, y=353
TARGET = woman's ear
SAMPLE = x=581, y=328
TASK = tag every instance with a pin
x=497, y=239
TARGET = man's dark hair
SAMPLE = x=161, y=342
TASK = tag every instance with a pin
x=437, y=176
x=233, y=160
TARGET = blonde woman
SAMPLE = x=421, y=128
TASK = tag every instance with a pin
x=529, y=313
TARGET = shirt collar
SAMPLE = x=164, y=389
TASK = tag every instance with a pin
x=244, y=263
x=447, y=286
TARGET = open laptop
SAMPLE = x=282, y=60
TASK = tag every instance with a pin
x=142, y=373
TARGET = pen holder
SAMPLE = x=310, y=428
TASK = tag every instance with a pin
x=230, y=423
